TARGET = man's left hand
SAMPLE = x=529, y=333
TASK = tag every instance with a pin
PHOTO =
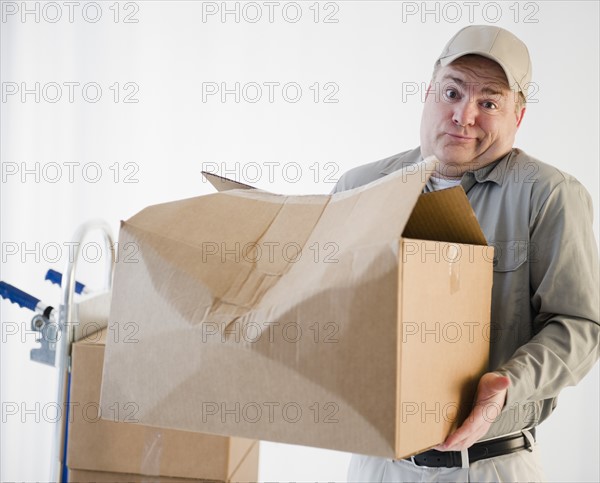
x=489, y=401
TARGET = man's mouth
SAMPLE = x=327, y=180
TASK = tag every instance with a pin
x=460, y=138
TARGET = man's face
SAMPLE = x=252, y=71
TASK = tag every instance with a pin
x=469, y=118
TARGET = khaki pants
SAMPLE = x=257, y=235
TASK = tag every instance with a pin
x=523, y=465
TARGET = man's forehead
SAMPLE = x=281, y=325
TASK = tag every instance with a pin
x=481, y=76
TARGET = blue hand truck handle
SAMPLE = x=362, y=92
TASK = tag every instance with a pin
x=13, y=294
x=56, y=277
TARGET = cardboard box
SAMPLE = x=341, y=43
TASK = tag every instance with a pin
x=85, y=476
x=305, y=319
x=99, y=445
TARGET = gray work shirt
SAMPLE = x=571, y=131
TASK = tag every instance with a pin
x=545, y=297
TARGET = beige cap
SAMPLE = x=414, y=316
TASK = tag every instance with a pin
x=494, y=43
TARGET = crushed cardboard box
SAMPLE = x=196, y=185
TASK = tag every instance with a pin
x=98, y=449
x=357, y=321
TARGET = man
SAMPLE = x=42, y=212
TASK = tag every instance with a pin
x=545, y=322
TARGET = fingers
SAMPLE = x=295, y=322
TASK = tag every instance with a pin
x=470, y=431
x=489, y=401
x=464, y=440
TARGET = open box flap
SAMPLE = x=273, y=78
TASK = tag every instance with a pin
x=445, y=215
x=224, y=184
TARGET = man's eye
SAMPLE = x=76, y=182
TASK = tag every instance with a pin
x=451, y=94
x=489, y=105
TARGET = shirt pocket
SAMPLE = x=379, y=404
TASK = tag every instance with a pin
x=509, y=255
x=510, y=316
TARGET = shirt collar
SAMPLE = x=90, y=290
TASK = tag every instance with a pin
x=402, y=161
x=494, y=172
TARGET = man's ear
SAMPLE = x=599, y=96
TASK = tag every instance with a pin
x=520, y=116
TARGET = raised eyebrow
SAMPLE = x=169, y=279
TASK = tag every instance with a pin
x=459, y=81
x=486, y=91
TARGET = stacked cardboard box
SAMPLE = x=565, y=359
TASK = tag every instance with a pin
x=103, y=450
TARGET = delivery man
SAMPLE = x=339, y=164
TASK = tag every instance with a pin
x=545, y=296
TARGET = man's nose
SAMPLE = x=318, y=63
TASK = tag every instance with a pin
x=464, y=113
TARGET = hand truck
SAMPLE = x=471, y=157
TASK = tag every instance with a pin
x=57, y=329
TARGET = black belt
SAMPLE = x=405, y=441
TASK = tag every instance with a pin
x=479, y=451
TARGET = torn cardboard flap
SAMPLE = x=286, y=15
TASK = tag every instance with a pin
x=222, y=254
x=444, y=215
x=282, y=317
x=224, y=184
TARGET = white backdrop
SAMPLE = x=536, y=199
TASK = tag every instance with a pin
x=109, y=107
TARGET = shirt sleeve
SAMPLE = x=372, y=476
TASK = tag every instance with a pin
x=564, y=293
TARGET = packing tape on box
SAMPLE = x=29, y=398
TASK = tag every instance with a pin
x=454, y=268
x=153, y=448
